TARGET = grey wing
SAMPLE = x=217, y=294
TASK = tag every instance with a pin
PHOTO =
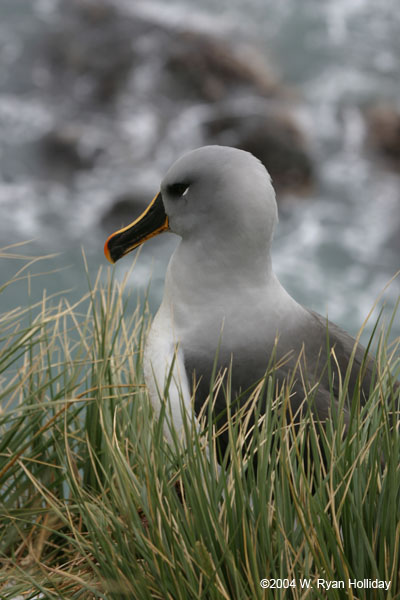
x=345, y=353
x=326, y=354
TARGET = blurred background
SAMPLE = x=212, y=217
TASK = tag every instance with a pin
x=98, y=98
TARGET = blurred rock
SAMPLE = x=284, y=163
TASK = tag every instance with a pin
x=68, y=145
x=274, y=138
x=202, y=67
x=383, y=123
x=99, y=52
x=95, y=47
x=91, y=49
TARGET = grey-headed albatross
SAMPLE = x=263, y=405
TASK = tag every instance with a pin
x=222, y=297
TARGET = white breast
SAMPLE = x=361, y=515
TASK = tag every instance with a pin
x=163, y=362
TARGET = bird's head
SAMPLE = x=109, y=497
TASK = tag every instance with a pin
x=219, y=191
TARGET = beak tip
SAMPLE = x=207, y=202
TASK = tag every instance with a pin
x=107, y=251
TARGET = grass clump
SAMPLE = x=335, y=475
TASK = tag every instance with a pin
x=95, y=503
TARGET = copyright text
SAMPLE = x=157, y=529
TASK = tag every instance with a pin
x=325, y=584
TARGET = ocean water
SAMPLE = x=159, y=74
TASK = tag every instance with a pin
x=335, y=249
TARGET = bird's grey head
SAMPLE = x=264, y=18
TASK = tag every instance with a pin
x=221, y=189
x=215, y=194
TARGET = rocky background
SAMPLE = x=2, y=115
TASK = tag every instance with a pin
x=98, y=98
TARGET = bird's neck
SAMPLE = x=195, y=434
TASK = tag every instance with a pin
x=201, y=279
x=202, y=291
x=222, y=266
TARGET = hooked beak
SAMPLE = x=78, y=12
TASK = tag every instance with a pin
x=150, y=223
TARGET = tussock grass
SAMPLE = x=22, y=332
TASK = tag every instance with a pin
x=95, y=503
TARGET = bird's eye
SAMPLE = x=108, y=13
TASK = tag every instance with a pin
x=178, y=189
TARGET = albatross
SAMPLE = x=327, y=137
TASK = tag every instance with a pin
x=223, y=306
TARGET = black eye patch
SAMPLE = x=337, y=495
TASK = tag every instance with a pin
x=177, y=189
